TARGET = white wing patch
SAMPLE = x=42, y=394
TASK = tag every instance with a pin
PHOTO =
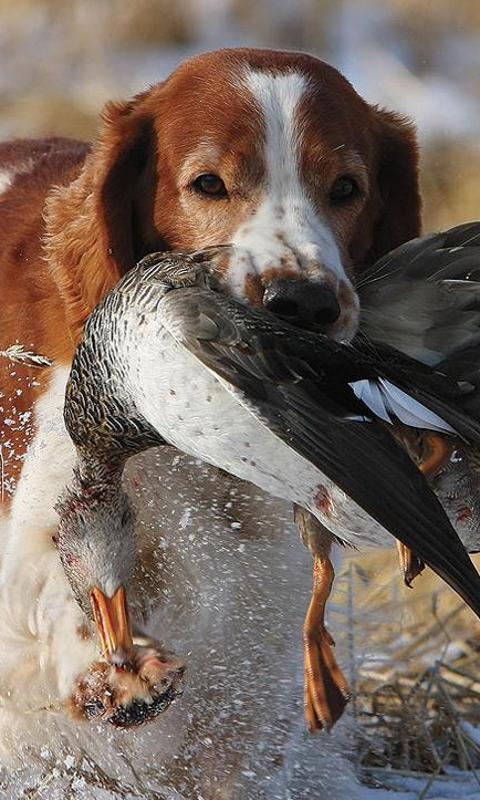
x=386, y=400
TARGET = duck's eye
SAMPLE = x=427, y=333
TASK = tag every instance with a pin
x=211, y=185
x=126, y=517
x=344, y=190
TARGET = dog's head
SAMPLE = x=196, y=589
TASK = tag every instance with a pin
x=272, y=152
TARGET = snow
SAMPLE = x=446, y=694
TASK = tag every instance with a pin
x=453, y=787
x=471, y=731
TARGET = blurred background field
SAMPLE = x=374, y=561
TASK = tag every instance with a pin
x=62, y=59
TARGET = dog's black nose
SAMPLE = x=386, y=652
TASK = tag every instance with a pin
x=302, y=302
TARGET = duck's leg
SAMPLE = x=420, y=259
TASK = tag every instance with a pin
x=438, y=452
x=326, y=689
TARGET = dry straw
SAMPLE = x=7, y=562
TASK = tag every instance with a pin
x=18, y=354
x=415, y=667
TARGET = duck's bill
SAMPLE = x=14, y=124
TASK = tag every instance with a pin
x=113, y=625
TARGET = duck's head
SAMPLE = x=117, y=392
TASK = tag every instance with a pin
x=96, y=543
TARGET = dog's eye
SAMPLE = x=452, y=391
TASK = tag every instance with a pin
x=211, y=185
x=343, y=190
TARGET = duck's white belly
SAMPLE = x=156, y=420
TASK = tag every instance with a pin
x=192, y=410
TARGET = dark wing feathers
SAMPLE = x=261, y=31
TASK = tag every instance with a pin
x=424, y=300
x=422, y=258
x=295, y=383
x=465, y=235
x=360, y=459
x=424, y=297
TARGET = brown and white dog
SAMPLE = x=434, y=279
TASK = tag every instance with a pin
x=273, y=152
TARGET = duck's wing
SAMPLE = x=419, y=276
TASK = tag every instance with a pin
x=424, y=297
x=464, y=367
x=309, y=404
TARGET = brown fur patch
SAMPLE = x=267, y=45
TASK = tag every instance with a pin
x=254, y=290
x=282, y=271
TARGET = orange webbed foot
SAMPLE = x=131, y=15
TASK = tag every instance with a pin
x=326, y=688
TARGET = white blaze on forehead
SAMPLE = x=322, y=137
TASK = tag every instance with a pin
x=286, y=223
x=279, y=97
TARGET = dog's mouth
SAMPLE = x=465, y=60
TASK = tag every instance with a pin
x=320, y=305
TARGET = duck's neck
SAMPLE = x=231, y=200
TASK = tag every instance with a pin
x=96, y=530
x=94, y=473
x=100, y=411
x=96, y=485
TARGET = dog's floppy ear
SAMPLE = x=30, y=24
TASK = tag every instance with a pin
x=126, y=187
x=393, y=215
x=99, y=225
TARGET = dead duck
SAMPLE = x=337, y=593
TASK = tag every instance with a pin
x=167, y=359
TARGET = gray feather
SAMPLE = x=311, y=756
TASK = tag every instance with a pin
x=424, y=298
